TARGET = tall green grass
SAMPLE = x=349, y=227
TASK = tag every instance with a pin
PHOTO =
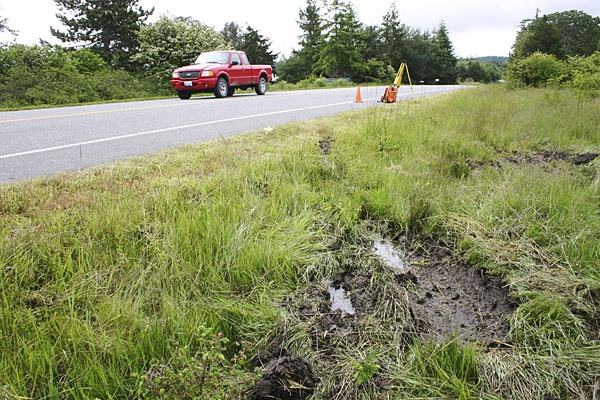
x=112, y=274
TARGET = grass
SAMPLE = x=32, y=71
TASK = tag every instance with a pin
x=117, y=282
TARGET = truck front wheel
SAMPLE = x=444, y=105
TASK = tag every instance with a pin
x=222, y=88
x=184, y=94
x=261, y=88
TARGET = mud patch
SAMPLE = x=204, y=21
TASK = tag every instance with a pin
x=381, y=296
x=326, y=145
x=445, y=297
x=540, y=158
x=585, y=158
x=451, y=298
x=285, y=377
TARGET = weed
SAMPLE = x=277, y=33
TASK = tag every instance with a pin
x=366, y=368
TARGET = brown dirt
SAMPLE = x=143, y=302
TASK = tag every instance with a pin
x=284, y=377
x=326, y=145
x=456, y=299
x=583, y=159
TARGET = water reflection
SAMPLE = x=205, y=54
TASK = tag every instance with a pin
x=339, y=299
x=391, y=255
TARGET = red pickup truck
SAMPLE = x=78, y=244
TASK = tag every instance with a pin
x=220, y=72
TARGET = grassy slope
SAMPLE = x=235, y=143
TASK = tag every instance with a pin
x=111, y=271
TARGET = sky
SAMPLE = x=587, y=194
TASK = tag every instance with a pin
x=477, y=28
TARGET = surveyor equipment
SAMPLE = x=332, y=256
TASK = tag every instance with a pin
x=391, y=92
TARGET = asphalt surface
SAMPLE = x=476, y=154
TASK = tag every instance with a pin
x=46, y=141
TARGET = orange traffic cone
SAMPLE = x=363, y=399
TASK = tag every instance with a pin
x=358, y=98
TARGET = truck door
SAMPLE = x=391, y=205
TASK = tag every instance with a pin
x=236, y=70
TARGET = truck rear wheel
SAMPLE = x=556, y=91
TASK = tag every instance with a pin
x=261, y=88
x=222, y=88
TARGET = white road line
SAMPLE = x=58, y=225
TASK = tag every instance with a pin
x=131, y=135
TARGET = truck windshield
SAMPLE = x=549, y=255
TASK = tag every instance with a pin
x=213, y=57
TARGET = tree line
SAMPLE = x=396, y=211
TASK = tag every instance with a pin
x=334, y=43
x=110, y=51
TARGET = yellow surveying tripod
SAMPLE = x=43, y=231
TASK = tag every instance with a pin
x=391, y=92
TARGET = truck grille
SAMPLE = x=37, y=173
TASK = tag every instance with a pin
x=189, y=74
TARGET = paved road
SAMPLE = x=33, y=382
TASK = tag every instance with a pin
x=43, y=142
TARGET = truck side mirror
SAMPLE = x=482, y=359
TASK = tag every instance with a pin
x=235, y=63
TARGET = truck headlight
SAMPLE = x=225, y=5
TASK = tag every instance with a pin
x=175, y=75
x=207, y=74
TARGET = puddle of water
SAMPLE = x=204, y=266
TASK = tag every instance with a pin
x=392, y=256
x=339, y=299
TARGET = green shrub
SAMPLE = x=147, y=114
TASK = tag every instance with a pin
x=537, y=70
x=50, y=75
x=586, y=75
x=312, y=82
x=194, y=374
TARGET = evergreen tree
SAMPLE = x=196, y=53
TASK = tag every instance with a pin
x=293, y=69
x=300, y=64
x=420, y=56
x=108, y=27
x=311, y=41
x=232, y=33
x=375, y=69
x=393, y=38
x=257, y=47
x=338, y=45
x=444, y=59
x=341, y=55
x=3, y=24
x=372, y=43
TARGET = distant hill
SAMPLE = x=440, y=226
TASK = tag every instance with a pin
x=498, y=60
x=494, y=59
